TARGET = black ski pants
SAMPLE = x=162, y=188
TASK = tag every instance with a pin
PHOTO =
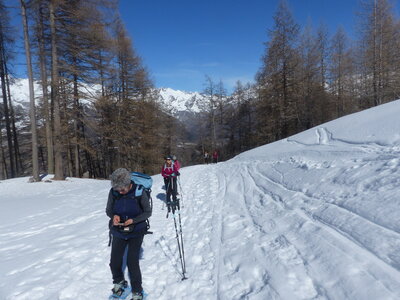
x=171, y=187
x=116, y=263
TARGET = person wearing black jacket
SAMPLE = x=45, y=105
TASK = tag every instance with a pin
x=128, y=208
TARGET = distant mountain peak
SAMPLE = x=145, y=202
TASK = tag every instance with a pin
x=177, y=101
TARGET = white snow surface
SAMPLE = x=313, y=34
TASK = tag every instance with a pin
x=314, y=216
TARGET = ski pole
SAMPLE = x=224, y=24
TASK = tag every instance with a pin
x=180, y=188
x=181, y=237
x=183, y=248
x=180, y=244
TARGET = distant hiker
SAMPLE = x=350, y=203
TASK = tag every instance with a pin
x=128, y=210
x=215, y=156
x=206, y=157
x=169, y=172
x=176, y=163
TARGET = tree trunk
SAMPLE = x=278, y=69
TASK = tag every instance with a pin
x=3, y=163
x=76, y=128
x=46, y=106
x=18, y=161
x=58, y=159
x=6, y=110
x=32, y=114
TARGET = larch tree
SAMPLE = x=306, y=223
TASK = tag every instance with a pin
x=32, y=108
x=340, y=72
x=379, y=51
x=55, y=95
x=307, y=104
x=324, y=110
x=41, y=13
x=278, y=84
x=6, y=42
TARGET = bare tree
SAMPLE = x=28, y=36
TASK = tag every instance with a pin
x=40, y=9
x=5, y=41
x=210, y=92
x=17, y=153
x=340, y=72
x=380, y=51
x=58, y=165
x=277, y=80
x=309, y=85
x=32, y=114
x=323, y=111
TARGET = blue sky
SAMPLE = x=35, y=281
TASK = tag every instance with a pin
x=182, y=41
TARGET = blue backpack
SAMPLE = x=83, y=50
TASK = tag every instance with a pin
x=144, y=183
x=142, y=180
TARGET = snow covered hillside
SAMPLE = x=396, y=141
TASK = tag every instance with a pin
x=314, y=216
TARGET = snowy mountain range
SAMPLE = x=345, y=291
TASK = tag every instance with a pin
x=175, y=102
x=19, y=90
x=312, y=216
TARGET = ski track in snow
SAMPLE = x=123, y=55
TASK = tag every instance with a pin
x=319, y=224
x=280, y=256
x=313, y=211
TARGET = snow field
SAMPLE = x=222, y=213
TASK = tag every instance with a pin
x=314, y=216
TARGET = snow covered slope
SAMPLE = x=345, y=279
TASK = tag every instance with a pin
x=314, y=216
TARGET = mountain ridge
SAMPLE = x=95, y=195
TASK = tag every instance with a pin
x=173, y=101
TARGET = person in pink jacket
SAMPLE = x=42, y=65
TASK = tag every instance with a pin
x=169, y=171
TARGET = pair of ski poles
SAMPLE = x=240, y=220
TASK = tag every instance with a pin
x=175, y=208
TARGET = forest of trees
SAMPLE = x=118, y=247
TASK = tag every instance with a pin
x=98, y=109
x=308, y=77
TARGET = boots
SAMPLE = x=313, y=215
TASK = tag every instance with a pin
x=119, y=288
x=137, y=296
